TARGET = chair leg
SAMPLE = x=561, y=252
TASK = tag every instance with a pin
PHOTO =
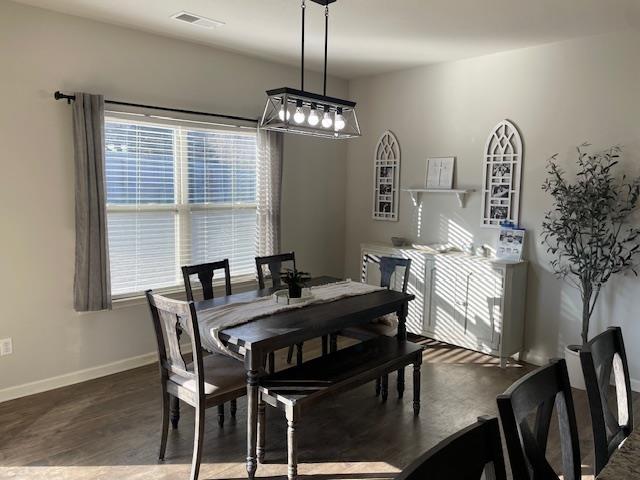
x=197, y=442
x=175, y=411
x=272, y=362
x=165, y=423
x=400, y=382
x=385, y=387
x=378, y=386
x=233, y=408
x=290, y=354
x=262, y=427
x=292, y=445
x=416, y=388
x=221, y=415
x=299, y=354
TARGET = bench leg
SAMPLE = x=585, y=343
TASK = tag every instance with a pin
x=384, y=391
x=333, y=342
x=416, y=387
x=400, y=382
x=272, y=362
x=221, y=415
x=262, y=427
x=292, y=445
x=299, y=354
x=378, y=386
x=325, y=345
x=233, y=408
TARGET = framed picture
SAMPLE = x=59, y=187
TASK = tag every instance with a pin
x=440, y=173
x=386, y=178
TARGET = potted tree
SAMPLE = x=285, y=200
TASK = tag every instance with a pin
x=587, y=232
x=295, y=280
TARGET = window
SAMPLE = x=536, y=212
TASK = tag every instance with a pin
x=177, y=194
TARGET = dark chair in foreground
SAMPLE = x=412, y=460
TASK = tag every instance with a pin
x=206, y=382
x=389, y=266
x=600, y=357
x=205, y=273
x=465, y=455
x=274, y=265
x=536, y=394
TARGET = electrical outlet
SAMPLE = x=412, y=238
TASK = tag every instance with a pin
x=6, y=347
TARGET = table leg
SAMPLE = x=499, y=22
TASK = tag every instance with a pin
x=416, y=387
x=262, y=424
x=400, y=382
x=252, y=421
x=402, y=336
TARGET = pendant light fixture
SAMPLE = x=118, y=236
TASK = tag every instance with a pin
x=306, y=113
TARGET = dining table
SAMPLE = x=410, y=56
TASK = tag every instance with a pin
x=256, y=339
x=624, y=464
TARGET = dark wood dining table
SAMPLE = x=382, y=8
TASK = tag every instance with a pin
x=624, y=464
x=259, y=337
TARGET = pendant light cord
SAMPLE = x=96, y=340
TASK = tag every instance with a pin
x=326, y=40
x=303, y=7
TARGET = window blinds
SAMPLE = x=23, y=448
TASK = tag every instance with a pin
x=177, y=195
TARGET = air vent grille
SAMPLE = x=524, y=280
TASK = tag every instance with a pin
x=198, y=20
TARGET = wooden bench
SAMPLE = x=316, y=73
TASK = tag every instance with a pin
x=297, y=388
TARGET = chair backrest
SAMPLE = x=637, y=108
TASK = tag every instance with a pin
x=274, y=264
x=205, y=272
x=465, y=455
x=600, y=357
x=388, y=266
x=536, y=393
x=168, y=316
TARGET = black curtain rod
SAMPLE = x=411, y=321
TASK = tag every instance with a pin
x=61, y=96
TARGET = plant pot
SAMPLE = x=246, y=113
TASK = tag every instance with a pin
x=572, y=357
x=295, y=291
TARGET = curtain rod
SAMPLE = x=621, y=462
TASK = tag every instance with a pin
x=61, y=96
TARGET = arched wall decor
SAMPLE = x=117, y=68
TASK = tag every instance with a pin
x=386, y=177
x=502, y=172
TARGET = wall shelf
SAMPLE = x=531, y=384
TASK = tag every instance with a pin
x=416, y=194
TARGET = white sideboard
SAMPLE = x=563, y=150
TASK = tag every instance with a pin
x=470, y=301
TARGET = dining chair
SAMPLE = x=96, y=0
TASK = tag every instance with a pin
x=390, y=268
x=465, y=455
x=274, y=266
x=603, y=355
x=205, y=273
x=536, y=394
x=205, y=382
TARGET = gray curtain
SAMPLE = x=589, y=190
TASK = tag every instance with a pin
x=91, y=290
x=269, y=191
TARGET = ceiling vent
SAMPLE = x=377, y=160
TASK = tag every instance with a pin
x=194, y=19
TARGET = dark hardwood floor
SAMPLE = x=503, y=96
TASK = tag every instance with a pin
x=109, y=428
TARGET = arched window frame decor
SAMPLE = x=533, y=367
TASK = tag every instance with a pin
x=386, y=177
x=502, y=173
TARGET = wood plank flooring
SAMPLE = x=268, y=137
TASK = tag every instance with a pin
x=109, y=428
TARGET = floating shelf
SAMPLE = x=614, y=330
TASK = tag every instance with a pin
x=416, y=194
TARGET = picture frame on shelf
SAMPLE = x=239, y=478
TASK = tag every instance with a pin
x=440, y=173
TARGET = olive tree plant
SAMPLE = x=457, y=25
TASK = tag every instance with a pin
x=588, y=231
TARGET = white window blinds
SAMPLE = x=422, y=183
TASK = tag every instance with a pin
x=177, y=195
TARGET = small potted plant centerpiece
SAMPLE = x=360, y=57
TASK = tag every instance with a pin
x=295, y=280
x=588, y=234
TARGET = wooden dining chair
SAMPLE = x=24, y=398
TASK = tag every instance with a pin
x=465, y=455
x=205, y=382
x=274, y=265
x=603, y=355
x=388, y=266
x=536, y=394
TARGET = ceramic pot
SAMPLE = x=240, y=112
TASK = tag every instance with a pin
x=295, y=291
x=572, y=357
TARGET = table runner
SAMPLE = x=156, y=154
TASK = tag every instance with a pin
x=624, y=464
x=212, y=321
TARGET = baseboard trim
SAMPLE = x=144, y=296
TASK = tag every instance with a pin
x=78, y=376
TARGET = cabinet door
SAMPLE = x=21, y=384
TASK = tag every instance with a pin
x=483, y=300
x=446, y=300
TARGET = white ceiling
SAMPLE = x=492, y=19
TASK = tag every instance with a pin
x=367, y=36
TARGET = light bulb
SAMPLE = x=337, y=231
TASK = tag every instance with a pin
x=281, y=113
x=326, y=119
x=339, y=123
x=313, y=119
x=298, y=117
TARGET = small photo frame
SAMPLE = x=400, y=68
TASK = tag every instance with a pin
x=501, y=170
x=500, y=191
x=440, y=173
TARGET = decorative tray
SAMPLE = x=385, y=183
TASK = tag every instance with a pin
x=282, y=297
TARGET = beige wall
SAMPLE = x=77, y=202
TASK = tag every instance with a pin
x=41, y=52
x=558, y=95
